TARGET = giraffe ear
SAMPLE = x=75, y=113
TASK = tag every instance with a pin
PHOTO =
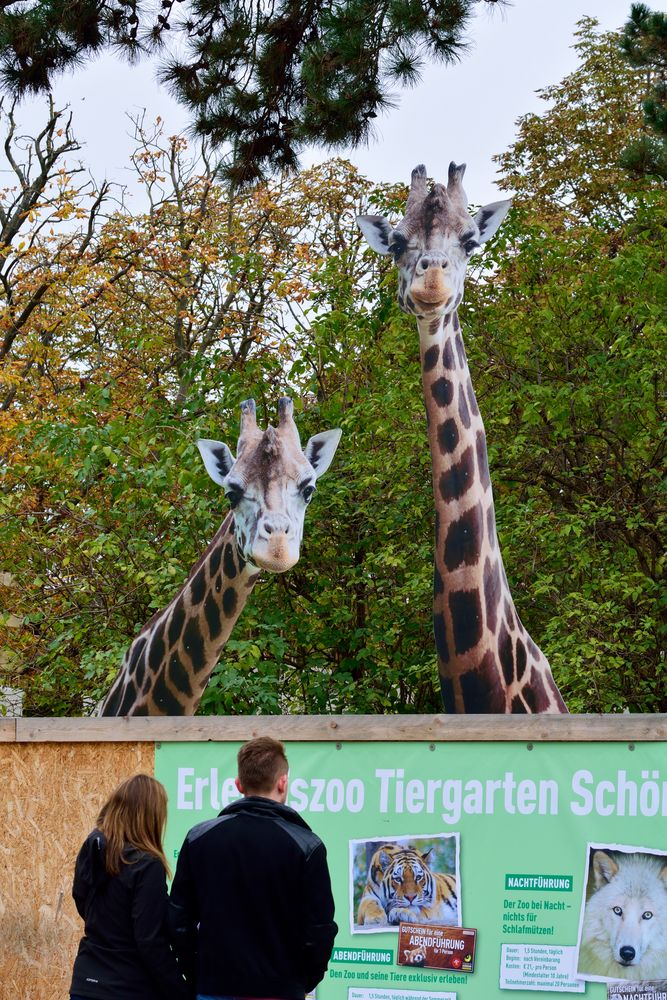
x=488, y=219
x=321, y=449
x=377, y=231
x=218, y=459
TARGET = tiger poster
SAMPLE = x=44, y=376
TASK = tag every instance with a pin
x=396, y=880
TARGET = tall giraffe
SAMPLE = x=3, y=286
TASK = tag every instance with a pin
x=486, y=660
x=269, y=485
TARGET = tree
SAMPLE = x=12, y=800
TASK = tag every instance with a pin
x=49, y=221
x=40, y=241
x=644, y=42
x=564, y=164
x=569, y=336
x=104, y=506
x=570, y=340
x=264, y=78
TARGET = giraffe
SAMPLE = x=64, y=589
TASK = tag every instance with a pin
x=268, y=485
x=487, y=662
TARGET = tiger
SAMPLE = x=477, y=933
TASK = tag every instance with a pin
x=402, y=888
x=371, y=911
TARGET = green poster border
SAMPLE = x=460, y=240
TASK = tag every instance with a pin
x=558, y=758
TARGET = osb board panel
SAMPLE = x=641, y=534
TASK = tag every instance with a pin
x=51, y=794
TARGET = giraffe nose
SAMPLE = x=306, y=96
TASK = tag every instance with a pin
x=431, y=260
x=275, y=524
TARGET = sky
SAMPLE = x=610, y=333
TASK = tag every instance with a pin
x=465, y=112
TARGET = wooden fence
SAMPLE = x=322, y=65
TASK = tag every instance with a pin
x=56, y=773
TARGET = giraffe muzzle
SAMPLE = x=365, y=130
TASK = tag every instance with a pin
x=276, y=547
x=276, y=556
x=431, y=288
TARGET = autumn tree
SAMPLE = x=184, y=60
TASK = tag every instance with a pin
x=38, y=243
x=108, y=507
x=266, y=79
x=49, y=219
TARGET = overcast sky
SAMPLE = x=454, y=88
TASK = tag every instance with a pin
x=466, y=112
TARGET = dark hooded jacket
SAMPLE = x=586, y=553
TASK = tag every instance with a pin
x=125, y=950
x=251, y=909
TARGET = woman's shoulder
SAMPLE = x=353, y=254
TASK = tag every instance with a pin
x=134, y=856
x=94, y=839
x=142, y=862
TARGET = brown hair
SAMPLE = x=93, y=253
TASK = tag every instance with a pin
x=260, y=763
x=134, y=816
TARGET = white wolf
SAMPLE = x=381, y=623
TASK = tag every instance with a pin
x=624, y=930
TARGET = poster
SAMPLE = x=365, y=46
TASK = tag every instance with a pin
x=623, y=923
x=654, y=990
x=515, y=840
x=435, y=947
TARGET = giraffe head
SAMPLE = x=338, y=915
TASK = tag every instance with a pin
x=269, y=484
x=433, y=242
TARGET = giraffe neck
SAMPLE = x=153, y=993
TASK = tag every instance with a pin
x=486, y=659
x=168, y=665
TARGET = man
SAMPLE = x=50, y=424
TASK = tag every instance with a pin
x=251, y=909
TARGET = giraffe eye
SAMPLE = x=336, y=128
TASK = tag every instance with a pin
x=234, y=495
x=398, y=245
x=307, y=493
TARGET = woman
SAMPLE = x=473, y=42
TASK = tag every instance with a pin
x=120, y=891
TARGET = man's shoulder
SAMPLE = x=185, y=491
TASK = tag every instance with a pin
x=301, y=834
x=208, y=826
x=288, y=820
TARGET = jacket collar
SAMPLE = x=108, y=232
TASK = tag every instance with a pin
x=257, y=805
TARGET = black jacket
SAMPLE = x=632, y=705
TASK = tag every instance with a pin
x=125, y=949
x=251, y=909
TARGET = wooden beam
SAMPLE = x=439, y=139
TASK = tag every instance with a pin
x=7, y=730
x=344, y=728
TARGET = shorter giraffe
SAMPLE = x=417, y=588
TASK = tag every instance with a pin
x=269, y=485
x=486, y=659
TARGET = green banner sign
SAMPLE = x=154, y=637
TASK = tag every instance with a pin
x=367, y=956
x=540, y=883
x=526, y=843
